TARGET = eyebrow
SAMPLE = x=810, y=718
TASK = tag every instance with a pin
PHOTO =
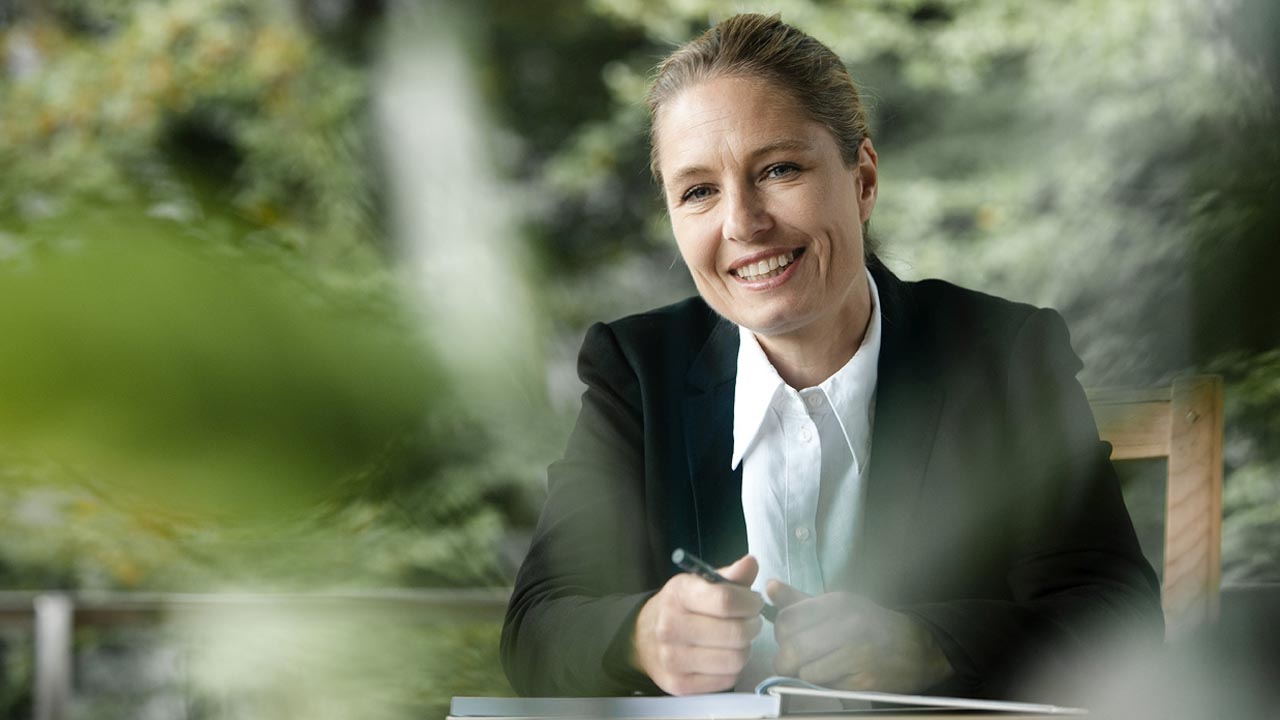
x=791, y=144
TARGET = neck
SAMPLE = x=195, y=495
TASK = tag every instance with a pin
x=806, y=357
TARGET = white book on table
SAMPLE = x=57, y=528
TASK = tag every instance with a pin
x=738, y=706
x=765, y=702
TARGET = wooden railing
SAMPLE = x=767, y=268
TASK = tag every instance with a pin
x=53, y=617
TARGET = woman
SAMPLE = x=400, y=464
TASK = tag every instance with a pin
x=909, y=471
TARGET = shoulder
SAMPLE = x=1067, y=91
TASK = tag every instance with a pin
x=688, y=322
x=964, y=320
x=671, y=334
x=984, y=342
x=978, y=314
x=655, y=348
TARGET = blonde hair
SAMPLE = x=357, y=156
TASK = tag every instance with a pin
x=764, y=47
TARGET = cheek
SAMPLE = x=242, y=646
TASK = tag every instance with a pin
x=836, y=219
x=697, y=247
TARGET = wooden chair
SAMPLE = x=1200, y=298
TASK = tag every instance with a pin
x=1182, y=422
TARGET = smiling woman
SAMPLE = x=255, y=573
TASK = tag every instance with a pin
x=982, y=541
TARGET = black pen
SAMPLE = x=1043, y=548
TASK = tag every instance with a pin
x=689, y=562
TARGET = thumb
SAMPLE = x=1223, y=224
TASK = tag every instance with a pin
x=783, y=594
x=742, y=571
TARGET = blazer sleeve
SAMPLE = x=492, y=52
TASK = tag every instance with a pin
x=1076, y=576
x=568, y=626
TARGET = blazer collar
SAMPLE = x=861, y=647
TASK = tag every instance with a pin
x=717, y=362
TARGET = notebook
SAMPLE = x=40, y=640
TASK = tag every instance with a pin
x=735, y=706
x=765, y=702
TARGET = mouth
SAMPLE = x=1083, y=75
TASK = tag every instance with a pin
x=768, y=267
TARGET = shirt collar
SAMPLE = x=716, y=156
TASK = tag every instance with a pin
x=757, y=384
x=849, y=391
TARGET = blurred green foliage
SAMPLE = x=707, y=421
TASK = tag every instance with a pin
x=211, y=377
x=185, y=374
x=211, y=373
x=190, y=108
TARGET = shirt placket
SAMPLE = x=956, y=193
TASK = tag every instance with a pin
x=803, y=483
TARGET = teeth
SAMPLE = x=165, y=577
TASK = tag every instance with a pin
x=771, y=267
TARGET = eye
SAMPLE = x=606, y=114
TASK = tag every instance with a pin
x=696, y=193
x=780, y=170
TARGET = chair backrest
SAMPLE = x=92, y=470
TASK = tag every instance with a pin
x=1182, y=422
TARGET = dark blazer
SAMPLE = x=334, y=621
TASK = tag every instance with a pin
x=992, y=511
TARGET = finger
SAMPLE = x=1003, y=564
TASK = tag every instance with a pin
x=721, y=600
x=821, y=638
x=795, y=651
x=789, y=602
x=742, y=572
x=730, y=633
x=821, y=610
x=783, y=595
x=836, y=669
x=705, y=661
x=707, y=631
x=690, y=684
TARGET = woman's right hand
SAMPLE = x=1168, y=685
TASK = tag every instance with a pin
x=695, y=636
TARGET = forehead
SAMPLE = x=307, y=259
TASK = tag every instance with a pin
x=731, y=117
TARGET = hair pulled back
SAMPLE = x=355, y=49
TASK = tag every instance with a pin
x=762, y=46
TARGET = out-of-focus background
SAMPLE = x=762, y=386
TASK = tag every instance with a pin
x=291, y=291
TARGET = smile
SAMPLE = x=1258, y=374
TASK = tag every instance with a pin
x=768, y=267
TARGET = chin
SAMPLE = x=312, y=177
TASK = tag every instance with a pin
x=762, y=318
x=770, y=324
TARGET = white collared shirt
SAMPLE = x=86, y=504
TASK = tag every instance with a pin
x=805, y=455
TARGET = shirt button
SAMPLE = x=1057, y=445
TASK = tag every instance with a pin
x=802, y=533
x=813, y=401
x=805, y=435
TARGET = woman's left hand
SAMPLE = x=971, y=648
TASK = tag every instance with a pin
x=844, y=641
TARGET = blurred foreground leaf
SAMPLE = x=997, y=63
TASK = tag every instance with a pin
x=208, y=383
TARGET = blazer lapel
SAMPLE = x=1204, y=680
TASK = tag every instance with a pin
x=721, y=532
x=908, y=400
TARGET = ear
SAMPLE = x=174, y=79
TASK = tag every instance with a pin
x=867, y=179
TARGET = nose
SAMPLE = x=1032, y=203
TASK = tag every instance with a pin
x=746, y=218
